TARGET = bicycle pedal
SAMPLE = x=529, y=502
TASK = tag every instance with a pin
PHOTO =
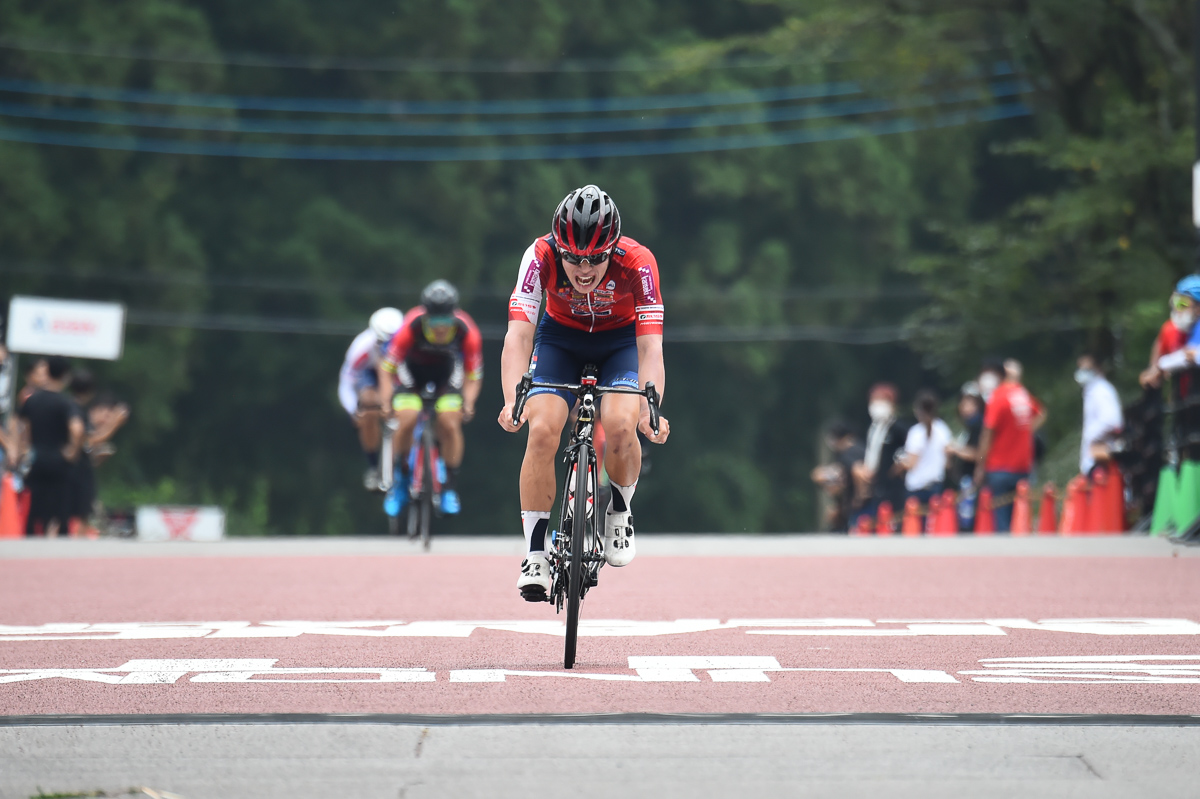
x=534, y=593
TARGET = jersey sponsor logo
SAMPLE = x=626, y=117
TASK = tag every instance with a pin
x=530, y=283
x=647, y=281
x=612, y=284
x=650, y=316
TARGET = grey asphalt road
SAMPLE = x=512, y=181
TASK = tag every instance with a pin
x=399, y=761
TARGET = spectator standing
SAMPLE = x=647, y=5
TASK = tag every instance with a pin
x=878, y=477
x=1102, y=416
x=836, y=477
x=51, y=427
x=963, y=451
x=101, y=419
x=924, y=457
x=1006, y=446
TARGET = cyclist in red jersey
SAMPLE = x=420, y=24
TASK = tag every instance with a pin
x=604, y=307
x=437, y=343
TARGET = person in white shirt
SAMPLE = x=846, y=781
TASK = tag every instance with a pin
x=924, y=458
x=1102, y=416
x=358, y=386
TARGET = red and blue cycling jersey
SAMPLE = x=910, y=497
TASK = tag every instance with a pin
x=629, y=293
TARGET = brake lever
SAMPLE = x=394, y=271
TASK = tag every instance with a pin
x=523, y=388
x=652, y=401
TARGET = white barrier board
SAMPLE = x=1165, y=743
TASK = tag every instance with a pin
x=44, y=326
x=180, y=523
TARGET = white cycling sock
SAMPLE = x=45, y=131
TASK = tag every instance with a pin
x=534, y=523
x=620, y=497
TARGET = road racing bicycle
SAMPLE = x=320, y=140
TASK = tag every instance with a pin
x=576, y=552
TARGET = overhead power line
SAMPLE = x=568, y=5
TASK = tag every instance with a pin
x=505, y=128
x=386, y=64
x=384, y=290
x=509, y=152
x=696, y=334
x=593, y=105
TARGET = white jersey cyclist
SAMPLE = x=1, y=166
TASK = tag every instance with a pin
x=358, y=385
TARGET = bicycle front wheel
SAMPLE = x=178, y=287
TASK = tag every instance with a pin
x=427, y=489
x=575, y=570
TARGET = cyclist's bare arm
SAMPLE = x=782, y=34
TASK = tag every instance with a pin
x=387, y=387
x=651, y=370
x=470, y=394
x=514, y=362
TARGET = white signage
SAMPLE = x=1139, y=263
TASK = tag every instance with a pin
x=1196, y=193
x=179, y=523
x=44, y=326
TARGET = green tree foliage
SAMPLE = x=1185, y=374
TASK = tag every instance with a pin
x=991, y=234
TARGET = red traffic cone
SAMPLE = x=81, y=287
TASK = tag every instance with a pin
x=935, y=509
x=1022, y=518
x=911, y=525
x=984, y=523
x=883, y=522
x=11, y=523
x=1046, y=520
x=1074, y=515
x=1106, y=501
x=946, y=522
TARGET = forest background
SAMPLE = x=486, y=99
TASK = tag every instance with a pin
x=837, y=191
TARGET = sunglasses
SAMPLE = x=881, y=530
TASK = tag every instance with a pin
x=1181, y=302
x=591, y=260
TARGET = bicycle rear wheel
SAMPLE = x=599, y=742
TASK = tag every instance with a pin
x=575, y=570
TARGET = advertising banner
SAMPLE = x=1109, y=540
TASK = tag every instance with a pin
x=180, y=523
x=45, y=326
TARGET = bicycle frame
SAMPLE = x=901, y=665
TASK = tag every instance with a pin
x=577, y=553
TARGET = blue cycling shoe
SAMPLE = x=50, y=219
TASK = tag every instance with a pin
x=397, y=499
x=450, y=502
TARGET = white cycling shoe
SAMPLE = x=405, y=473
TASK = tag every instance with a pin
x=534, y=582
x=619, y=548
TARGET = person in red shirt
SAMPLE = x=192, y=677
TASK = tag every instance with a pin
x=437, y=343
x=1006, y=447
x=603, y=306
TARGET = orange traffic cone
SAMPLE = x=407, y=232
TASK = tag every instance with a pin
x=11, y=523
x=1074, y=515
x=1106, y=501
x=946, y=522
x=1022, y=518
x=984, y=523
x=935, y=509
x=883, y=523
x=1046, y=521
x=911, y=525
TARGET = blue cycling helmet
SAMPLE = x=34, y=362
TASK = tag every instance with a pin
x=1189, y=287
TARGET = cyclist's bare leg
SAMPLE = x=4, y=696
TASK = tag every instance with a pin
x=450, y=437
x=546, y=414
x=367, y=420
x=402, y=440
x=623, y=458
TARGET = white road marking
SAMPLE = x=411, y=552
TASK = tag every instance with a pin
x=602, y=628
x=1093, y=669
x=647, y=669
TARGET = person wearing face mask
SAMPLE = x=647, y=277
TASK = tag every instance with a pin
x=1102, y=417
x=878, y=476
x=963, y=451
x=1173, y=349
x=1006, y=447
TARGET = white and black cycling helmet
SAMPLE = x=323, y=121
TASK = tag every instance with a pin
x=586, y=222
x=385, y=322
x=440, y=298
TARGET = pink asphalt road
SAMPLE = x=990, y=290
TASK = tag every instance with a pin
x=818, y=634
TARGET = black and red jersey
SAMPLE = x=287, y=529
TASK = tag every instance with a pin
x=413, y=345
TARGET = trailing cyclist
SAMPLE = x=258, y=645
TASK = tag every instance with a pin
x=437, y=343
x=603, y=307
x=358, y=385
